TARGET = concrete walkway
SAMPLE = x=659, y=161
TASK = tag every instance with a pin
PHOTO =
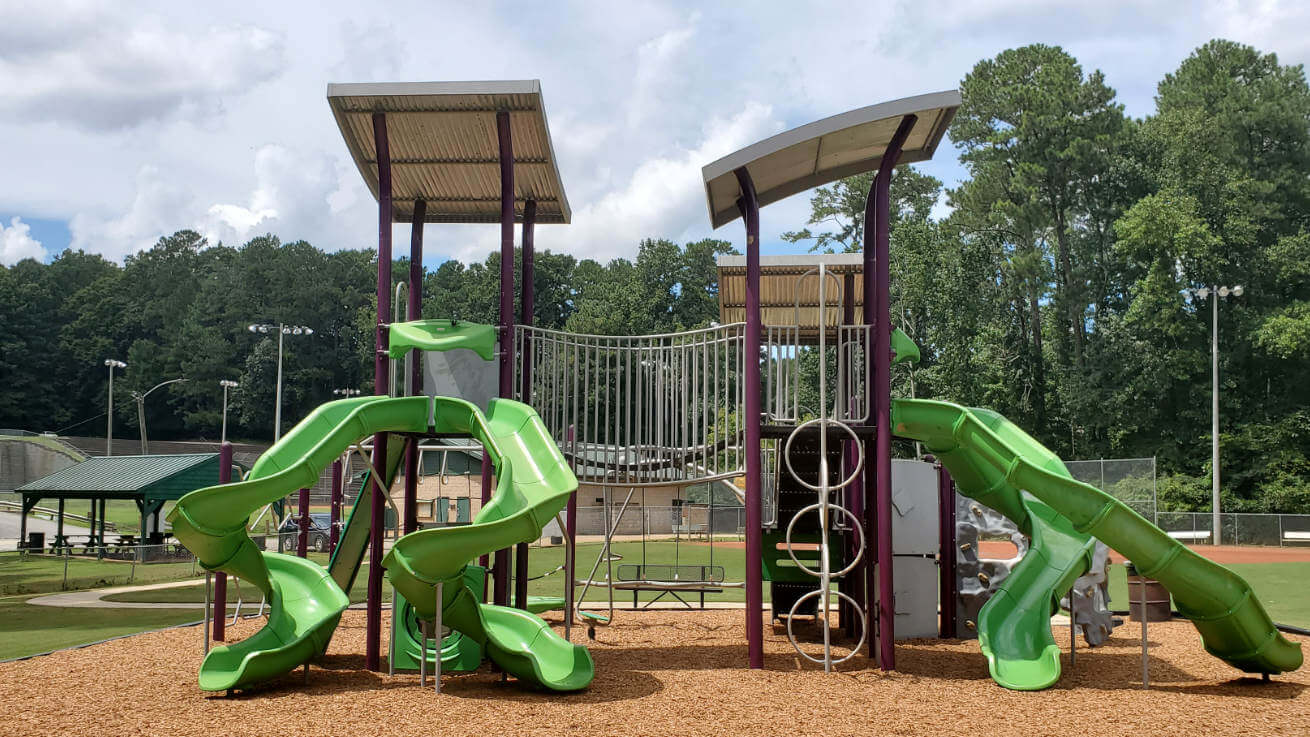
x=92, y=599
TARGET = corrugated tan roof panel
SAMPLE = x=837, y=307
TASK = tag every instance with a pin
x=789, y=289
x=444, y=148
x=826, y=150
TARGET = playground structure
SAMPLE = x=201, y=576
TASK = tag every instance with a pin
x=632, y=411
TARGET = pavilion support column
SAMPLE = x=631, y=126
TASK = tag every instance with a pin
x=525, y=393
x=91, y=525
x=220, y=578
x=414, y=311
x=22, y=520
x=500, y=579
x=750, y=212
x=382, y=387
x=103, y=504
x=877, y=312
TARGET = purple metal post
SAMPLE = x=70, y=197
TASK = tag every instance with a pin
x=571, y=531
x=486, y=497
x=877, y=311
x=302, y=540
x=853, y=583
x=946, y=549
x=527, y=305
x=750, y=213
x=500, y=578
x=382, y=386
x=220, y=578
x=334, y=535
x=413, y=310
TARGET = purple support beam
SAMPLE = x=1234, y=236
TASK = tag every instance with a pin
x=571, y=538
x=220, y=578
x=750, y=214
x=486, y=497
x=382, y=386
x=946, y=549
x=302, y=540
x=413, y=311
x=334, y=535
x=877, y=311
x=853, y=584
x=500, y=573
x=526, y=307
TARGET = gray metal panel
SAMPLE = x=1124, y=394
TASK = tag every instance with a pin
x=462, y=374
x=444, y=150
x=915, y=582
x=827, y=150
x=914, y=502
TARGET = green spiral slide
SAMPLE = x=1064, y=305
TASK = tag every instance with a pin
x=305, y=602
x=998, y=464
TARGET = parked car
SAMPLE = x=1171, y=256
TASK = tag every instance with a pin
x=320, y=530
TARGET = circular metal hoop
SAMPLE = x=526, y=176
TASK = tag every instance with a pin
x=824, y=421
x=859, y=530
x=864, y=629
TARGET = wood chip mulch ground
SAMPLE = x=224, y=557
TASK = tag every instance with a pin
x=659, y=673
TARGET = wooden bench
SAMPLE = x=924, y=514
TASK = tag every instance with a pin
x=1296, y=536
x=669, y=580
x=1189, y=535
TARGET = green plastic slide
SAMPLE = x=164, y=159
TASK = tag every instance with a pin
x=533, y=483
x=442, y=335
x=996, y=463
x=305, y=603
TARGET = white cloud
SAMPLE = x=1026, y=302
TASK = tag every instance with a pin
x=17, y=243
x=160, y=206
x=85, y=65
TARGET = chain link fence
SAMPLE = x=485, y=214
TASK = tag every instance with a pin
x=690, y=520
x=1130, y=480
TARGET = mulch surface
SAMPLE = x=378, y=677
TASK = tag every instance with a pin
x=659, y=673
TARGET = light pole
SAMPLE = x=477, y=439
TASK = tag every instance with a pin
x=1202, y=293
x=282, y=329
x=347, y=392
x=141, y=409
x=109, y=431
x=226, y=384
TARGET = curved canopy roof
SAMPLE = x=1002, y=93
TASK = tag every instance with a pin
x=444, y=149
x=826, y=150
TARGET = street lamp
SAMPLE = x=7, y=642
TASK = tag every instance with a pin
x=109, y=431
x=141, y=409
x=347, y=392
x=1202, y=293
x=226, y=384
x=281, y=329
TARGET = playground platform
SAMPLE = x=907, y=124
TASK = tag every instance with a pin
x=662, y=673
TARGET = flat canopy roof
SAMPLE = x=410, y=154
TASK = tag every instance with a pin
x=827, y=150
x=782, y=286
x=444, y=149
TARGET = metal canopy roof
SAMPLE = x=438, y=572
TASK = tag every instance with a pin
x=127, y=476
x=827, y=150
x=444, y=150
x=781, y=285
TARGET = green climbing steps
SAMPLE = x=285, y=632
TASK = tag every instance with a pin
x=996, y=463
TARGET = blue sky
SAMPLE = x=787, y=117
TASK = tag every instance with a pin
x=124, y=122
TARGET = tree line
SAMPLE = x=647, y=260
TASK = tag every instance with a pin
x=1056, y=284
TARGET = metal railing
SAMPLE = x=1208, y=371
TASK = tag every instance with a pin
x=663, y=522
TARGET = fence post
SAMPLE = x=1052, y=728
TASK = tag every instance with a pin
x=68, y=552
x=1280, y=530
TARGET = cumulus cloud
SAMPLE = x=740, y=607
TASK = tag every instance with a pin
x=17, y=243
x=160, y=206
x=96, y=67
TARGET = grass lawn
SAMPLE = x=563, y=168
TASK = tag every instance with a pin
x=1279, y=586
x=38, y=574
x=26, y=629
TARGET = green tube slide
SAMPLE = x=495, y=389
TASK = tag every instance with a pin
x=533, y=483
x=998, y=464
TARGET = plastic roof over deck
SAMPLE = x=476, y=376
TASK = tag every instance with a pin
x=827, y=150
x=782, y=283
x=444, y=150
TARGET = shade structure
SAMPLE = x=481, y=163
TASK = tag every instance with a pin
x=827, y=150
x=444, y=148
x=789, y=289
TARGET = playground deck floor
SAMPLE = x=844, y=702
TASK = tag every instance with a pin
x=679, y=673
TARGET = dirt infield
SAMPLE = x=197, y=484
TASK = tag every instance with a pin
x=658, y=673
x=1216, y=553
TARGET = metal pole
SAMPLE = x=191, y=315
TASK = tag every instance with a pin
x=1146, y=655
x=570, y=555
x=222, y=435
x=109, y=430
x=414, y=311
x=880, y=306
x=1214, y=410
x=500, y=580
x=204, y=630
x=141, y=421
x=277, y=401
x=220, y=579
x=525, y=317
x=436, y=633
x=334, y=534
x=947, y=549
x=750, y=211
x=302, y=540
x=377, y=505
